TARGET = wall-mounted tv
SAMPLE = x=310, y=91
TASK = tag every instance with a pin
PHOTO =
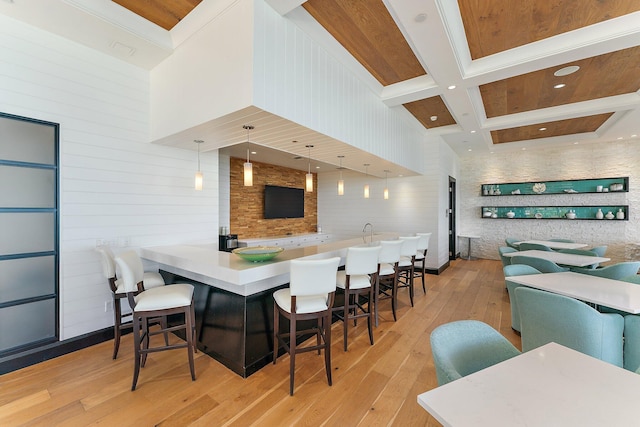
x=283, y=202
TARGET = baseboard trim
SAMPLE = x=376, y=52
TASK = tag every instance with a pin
x=51, y=351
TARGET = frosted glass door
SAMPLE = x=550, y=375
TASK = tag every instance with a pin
x=29, y=229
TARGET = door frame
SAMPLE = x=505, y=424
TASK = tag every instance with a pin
x=451, y=211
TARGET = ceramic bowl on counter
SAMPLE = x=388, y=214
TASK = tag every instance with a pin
x=258, y=253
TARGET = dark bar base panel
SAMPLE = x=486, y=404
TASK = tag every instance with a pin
x=235, y=330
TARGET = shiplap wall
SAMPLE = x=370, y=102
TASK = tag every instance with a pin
x=611, y=159
x=295, y=78
x=412, y=207
x=115, y=185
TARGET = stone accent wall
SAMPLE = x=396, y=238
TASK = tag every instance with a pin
x=247, y=203
x=602, y=160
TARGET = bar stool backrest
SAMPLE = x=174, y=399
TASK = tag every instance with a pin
x=131, y=270
x=362, y=261
x=390, y=251
x=423, y=242
x=108, y=261
x=410, y=245
x=313, y=277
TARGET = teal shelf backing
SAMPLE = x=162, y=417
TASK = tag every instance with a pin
x=556, y=187
x=554, y=212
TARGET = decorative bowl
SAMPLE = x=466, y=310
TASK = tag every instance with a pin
x=511, y=214
x=258, y=253
x=539, y=187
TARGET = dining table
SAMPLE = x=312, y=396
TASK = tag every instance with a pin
x=573, y=260
x=623, y=296
x=469, y=237
x=549, y=386
x=553, y=244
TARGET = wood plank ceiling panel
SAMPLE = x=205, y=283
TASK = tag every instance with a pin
x=546, y=130
x=165, y=13
x=493, y=26
x=425, y=109
x=598, y=77
x=369, y=33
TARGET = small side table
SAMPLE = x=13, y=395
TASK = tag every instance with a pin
x=469, y=237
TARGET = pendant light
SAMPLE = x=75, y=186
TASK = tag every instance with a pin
x=198, y=184
x=309, y=180
x=248, y=167
x=386, y=185
x=366, y=186
x=340, y=181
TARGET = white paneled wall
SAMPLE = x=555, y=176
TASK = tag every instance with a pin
x=295, y=78
x=115, y=185
x=411, y=207
x=610, y=159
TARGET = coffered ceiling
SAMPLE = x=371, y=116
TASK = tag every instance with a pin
x=483, y=75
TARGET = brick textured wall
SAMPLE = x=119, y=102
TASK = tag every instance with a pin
x=247, y=203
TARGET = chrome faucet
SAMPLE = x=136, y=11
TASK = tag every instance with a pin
x=364, y=230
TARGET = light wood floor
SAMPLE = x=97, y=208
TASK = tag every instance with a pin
x=372, y=385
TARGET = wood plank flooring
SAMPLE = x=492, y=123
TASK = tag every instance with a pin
x=372, y=385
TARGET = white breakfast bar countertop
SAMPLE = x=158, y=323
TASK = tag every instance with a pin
x=225, y=270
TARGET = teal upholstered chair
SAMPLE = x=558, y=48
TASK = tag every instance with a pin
x=599, y=250
x=631, y=333
x=562, y=240
x=534, y=247
x=516, y=270
x=542, y=265
x=615, y=271
x=547, y=317
x=632, y=342
x=466, y=346
x=511, y=242
x=505, y=250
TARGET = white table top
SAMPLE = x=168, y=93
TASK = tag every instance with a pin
x=554, y=245
x=616, y=294
x=561, y=258
x=551, y=386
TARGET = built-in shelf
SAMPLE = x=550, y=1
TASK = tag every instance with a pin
x=554, y=212
x=573, y=186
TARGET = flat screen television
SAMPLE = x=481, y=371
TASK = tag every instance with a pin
x=283, y=202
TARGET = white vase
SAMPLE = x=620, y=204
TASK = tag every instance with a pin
x=620, y=214
x=609, y=215
x=599, y=214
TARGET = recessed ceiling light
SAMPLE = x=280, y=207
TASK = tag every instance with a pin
x=543, y=129
x=451, y=87
x=524, y=148
x=559, y=86
x=421, y=17
x=619, y=137
x=566, y=71
x=473, y=131
x=434, y=118
x=317, y=167
x=253, y=152
x=576, y=143
x=634, y=135
x=469, y=149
